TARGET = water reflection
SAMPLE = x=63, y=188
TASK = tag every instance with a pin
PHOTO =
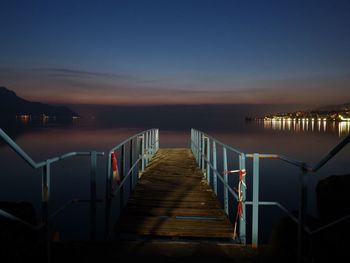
x=27, y=119
x=308, y=125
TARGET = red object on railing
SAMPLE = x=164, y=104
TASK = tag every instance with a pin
x=116, y=177
x=239, y=214
x=114, y=161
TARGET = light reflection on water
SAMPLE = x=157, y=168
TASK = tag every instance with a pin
x=306, y=125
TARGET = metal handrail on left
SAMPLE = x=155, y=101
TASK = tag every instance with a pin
x=46, y=185
x=141, y=148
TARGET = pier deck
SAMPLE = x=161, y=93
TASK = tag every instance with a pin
x=172, y=200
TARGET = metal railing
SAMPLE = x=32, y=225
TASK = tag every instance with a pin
x=45, y=167
x=137, y=151
x=141, y=147
x=202, y=144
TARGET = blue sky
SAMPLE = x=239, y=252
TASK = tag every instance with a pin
x=173, y=52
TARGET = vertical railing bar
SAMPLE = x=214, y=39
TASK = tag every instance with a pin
x=208, y=160
x=146, y=149
x=143, y=153
x=131, y=163
x=255, y=221
x=215, y=179
x=202, y=154
x=226, y=181
x=93, y=166
x=302, y=211
x=45, y=196
x=242, y=223
x=151, y=143
x=199, y=144
x=138, y=151
x=108, y=196
x=122, y=175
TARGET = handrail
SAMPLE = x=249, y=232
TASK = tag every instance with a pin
x=279, y=157
x=45, y=188
x=222, y=144
x=18, y=150
x=331, y=154
x=148, y=141
x=200, y=144
x=35, y=165
x=129, y=139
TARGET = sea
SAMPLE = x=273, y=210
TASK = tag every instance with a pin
x=307, y=141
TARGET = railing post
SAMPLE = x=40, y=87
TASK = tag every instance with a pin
x=138, y=151
x=202, y=153
x=226, y=180
x=215, y=179
x=147, y=149
x=242, y=223
x=122, y=175
x=45, y=197
x=131, y=162
x=108, y=196
x=302, y=211
x=157, y=139
x=152, y=143
x=143, y=153
x=93, y=163
x=192, y=142
x=255, y=223
x=195, y=152
x=208, y=160
x=199, y=146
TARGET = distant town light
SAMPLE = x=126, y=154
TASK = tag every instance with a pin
x=342, y=118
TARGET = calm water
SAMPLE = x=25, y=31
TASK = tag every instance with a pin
x=70, y=178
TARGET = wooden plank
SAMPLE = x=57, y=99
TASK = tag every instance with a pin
x=164, y=203
x=173, y=200
x=163, y=211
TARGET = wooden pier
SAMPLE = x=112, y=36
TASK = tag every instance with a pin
x=173, y=200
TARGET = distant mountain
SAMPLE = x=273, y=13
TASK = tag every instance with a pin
x=11, y=104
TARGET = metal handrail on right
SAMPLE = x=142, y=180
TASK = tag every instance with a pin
x=201, y=147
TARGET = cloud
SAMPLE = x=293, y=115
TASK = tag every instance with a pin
x=65, y=72
x=64, y=85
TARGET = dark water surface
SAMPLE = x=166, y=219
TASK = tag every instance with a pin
x=70, y=177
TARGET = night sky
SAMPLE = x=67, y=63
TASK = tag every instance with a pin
x=176, y=52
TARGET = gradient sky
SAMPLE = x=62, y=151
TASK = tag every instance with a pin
x=176, y=52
